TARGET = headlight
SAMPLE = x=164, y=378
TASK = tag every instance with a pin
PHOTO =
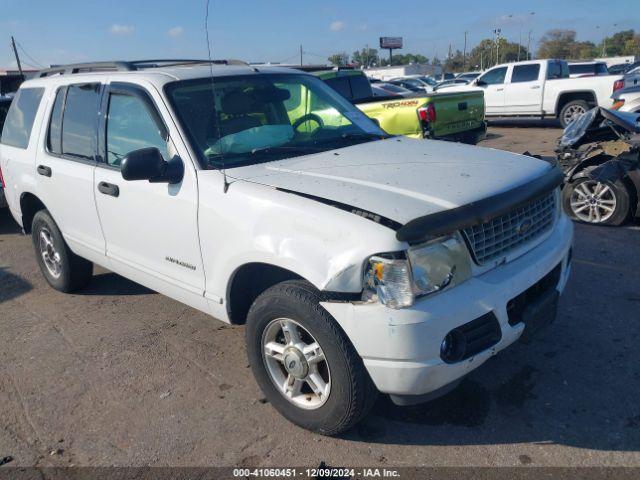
x=421, y=270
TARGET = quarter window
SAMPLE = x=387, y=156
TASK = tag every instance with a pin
x=79, y=123
x=525, y=73
x=20, y=118
x=495, y=76
x=130, y=127
x=54, y=136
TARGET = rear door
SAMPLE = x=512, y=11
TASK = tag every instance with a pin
x=65, y=166
x=150, y=228
x=493, y=83
x=523, y=92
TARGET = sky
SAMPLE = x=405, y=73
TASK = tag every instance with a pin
x=64, y=31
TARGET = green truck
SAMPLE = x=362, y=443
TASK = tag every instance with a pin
x=457, y=116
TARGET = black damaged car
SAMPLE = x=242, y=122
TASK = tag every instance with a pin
x=600, y=156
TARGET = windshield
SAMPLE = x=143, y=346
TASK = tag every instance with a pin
x=259, y=118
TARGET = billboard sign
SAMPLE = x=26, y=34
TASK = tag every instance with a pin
x=390, y=42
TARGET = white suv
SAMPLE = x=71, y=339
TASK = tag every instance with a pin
x=359, y=262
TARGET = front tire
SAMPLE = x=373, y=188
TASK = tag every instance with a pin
x=304, y=363
x=571, y=111
x=590, y=201
x=63, y=269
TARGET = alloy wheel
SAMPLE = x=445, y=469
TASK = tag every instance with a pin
x=50, y=255
x=593, y=202
x=572, y=113
x=296, y=363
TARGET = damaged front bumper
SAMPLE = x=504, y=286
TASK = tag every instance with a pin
x=402, y=349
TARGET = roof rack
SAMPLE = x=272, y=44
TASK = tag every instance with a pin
x=128, y=66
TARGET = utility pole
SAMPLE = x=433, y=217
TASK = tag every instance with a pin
x=481, y=60
x=15, y=51
x=529, y=46
x=300, y=55
x=464, y=53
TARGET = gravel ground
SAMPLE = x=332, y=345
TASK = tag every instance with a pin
x=119, y=375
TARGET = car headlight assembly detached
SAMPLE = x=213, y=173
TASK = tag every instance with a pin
x=398, y=279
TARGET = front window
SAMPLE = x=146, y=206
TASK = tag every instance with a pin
x=493, y=77
x=243, y=120
x=130, y=127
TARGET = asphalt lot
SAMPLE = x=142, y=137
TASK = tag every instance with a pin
x=119, y=375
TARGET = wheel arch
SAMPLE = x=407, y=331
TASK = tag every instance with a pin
x=247, y=282
x=30, y=204
x=587, y=95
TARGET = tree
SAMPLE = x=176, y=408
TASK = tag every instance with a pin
x=366, y=57
x=615, y=44
x=557, y=43
x=491, y=52
x=632, y=46
x=339, y=59
x=455, y=62
x=407, y=59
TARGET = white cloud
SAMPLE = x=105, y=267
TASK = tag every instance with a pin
x=175, y=32
x=362, y=27
x=117, y=29
x=337, y=26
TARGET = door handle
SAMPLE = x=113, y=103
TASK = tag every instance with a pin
x=109, y=189
x=499, y=89
x=535, y=87
x=44, y=171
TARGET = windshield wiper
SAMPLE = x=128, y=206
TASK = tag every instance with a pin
x=283, y=149
x=364, y=135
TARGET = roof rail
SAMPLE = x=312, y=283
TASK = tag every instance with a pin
x=127, y=66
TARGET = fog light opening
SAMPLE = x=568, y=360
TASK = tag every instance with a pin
x=453, y=347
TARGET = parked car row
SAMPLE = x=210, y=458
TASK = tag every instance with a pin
x=542, y=88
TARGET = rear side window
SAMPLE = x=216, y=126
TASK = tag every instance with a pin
x=54, y=136
x=525, y=73
x=20, y=118
x=601, y=69
x=80, y=121
x=340, y=85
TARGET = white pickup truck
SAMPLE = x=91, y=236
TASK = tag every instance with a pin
x=542, y=88
x=359, y=262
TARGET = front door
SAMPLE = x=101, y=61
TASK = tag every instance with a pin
x=493, y=84
x=150, y=228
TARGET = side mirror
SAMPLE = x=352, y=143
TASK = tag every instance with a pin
x=480, y=83
x=148, y=164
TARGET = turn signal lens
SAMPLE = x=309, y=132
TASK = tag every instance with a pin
x=617, y=105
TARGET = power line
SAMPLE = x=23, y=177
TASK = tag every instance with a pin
x=29, y=56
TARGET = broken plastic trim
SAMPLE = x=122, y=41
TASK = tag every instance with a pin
x=423, y=228
x=374, y=217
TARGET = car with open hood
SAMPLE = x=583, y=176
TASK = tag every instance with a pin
x=359, y=262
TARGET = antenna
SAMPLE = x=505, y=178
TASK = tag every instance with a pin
x=213, y=91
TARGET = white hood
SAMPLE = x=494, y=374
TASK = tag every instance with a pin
x=399, y=178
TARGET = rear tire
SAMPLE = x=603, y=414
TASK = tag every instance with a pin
x=294, y=306
x=572, y=110
x=64, y=270
x=613, y=207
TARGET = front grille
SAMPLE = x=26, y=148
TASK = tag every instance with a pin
x=500, y=235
